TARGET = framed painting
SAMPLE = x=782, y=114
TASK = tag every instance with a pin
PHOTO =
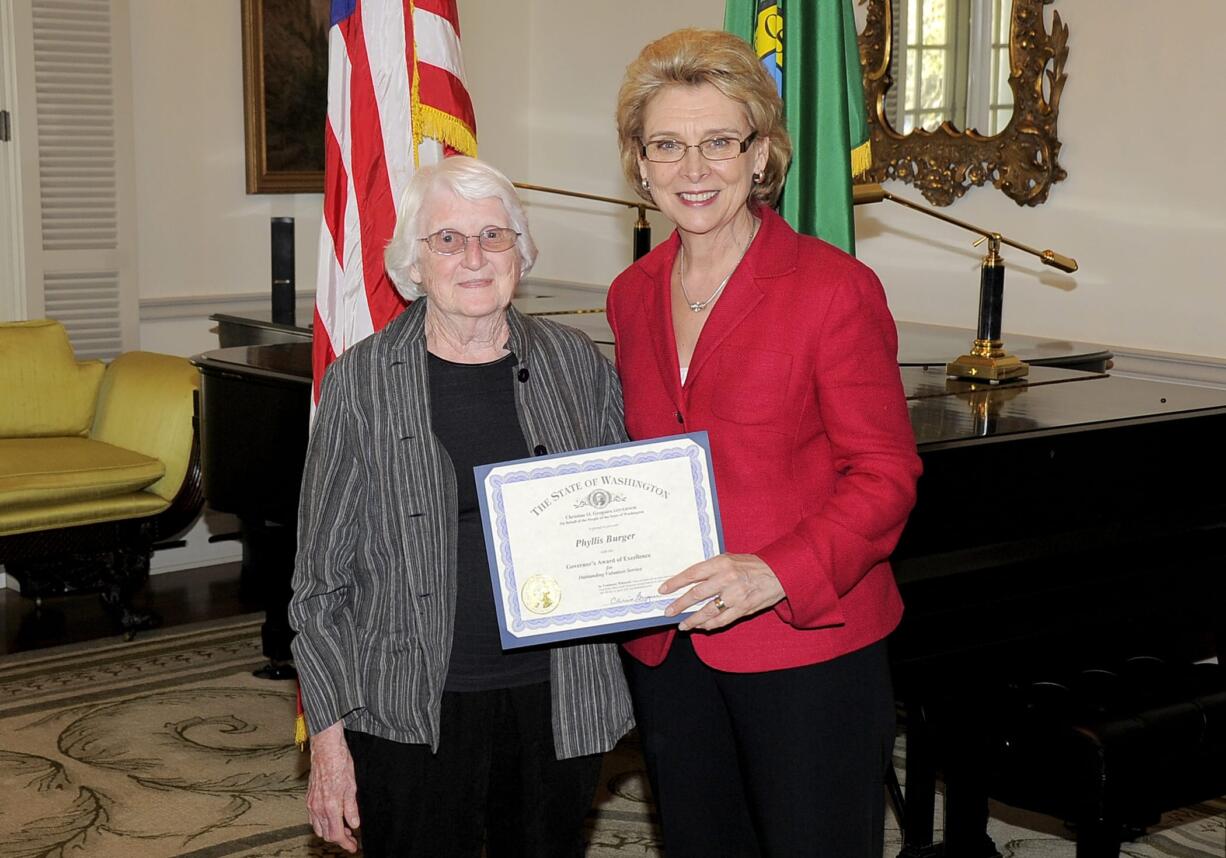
x=285, y=83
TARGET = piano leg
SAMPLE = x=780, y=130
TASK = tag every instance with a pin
x=966, y=820
x=1098, y=839
x=964, y=750
x=921, y=789
x=966, y=801
x=268, y=551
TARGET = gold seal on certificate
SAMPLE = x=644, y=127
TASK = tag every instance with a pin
x=540, y=594
x=579, y=542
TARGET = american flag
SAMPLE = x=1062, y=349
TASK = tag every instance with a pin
x=396, y=99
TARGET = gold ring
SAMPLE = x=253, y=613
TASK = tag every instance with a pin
x=718, y=602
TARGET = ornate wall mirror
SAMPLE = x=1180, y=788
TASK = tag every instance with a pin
x=934, y=67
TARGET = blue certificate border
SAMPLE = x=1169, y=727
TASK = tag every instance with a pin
x=596, y=459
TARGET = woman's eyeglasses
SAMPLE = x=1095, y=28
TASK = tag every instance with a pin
x=713, y=149
x=493, y=239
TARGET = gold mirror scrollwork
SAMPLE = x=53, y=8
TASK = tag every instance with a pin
x=943, y=163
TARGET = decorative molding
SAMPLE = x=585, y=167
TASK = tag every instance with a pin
x=943, y=164
x=547, y=283
x=231, y=303
x=260, y=303
x=1164, y=366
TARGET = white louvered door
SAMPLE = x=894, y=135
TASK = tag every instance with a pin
x=79, y=260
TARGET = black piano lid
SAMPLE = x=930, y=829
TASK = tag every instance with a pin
x=1049, y=401
x=286, y=363
x=923, y=344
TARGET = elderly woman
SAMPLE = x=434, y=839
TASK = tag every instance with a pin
x=425, y=734
x=767, y=716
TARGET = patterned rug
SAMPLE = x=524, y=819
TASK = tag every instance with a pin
x=167, y=746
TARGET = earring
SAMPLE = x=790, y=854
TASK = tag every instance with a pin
x=758, y=178
x=646, y=184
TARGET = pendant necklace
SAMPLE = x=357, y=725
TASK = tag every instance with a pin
x=699, y=306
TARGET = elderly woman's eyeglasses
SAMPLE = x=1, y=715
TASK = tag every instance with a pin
x=713, y=149
x=493, y=239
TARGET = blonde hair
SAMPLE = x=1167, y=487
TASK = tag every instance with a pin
x=468, y=179
x=692, y=57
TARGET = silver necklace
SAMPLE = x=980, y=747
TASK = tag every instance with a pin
x=699, y=306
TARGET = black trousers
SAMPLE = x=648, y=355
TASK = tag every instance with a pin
x=779, y=764
x=494, y=781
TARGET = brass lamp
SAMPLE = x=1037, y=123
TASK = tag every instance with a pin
x=987, y=360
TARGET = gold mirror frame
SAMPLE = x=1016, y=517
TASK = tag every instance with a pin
x=942, y=164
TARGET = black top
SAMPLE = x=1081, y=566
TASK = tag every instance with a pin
x=472, y=408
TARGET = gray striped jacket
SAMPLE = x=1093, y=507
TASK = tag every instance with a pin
x=375, y=574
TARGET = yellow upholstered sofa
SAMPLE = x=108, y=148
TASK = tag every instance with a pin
x=97, y=464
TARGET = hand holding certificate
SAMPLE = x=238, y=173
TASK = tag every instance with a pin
x=579, y=543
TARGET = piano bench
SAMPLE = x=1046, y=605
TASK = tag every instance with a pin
x=1110, y=749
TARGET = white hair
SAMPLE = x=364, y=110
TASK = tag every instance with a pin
x=468, y=179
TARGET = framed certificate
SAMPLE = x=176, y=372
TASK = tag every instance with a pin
x=579, y=543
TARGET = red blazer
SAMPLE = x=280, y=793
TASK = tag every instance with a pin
x=795, y=378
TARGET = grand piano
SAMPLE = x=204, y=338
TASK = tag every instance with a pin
x=1077, y=519
x=1071, y=512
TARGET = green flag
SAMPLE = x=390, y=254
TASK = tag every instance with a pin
x=814, y=41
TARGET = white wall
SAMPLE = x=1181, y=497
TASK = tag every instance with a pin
x=543, y=84
x=199, y=233
x=1140, y=210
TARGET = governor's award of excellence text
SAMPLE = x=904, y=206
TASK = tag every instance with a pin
x=579, y=543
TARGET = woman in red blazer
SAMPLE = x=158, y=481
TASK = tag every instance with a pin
x=767, y=717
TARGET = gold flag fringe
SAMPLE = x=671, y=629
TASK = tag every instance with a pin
x=438, y=125
x=861, y=159
x=434, y=123
x=300, y=732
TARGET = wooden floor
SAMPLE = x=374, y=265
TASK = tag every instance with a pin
x=189, y=596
